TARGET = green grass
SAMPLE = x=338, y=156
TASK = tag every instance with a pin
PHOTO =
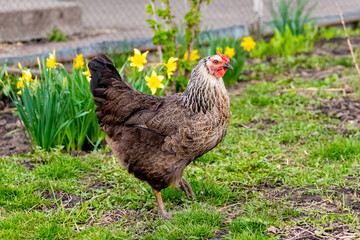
x=279, y=150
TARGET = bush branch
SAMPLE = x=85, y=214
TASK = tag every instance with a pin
x=348, y=39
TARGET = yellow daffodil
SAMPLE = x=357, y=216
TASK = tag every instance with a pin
x=193, y=55
x=39, y=63
x=230, y=52
x=79, y=62
x=154, y=82
x=219, y=49
x=51, y=61
x=248, y=44
x=171, y=66
x=26, y=76
x=87, y=74
x=138, y=59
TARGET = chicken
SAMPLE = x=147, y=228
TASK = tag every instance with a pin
x=155, y=138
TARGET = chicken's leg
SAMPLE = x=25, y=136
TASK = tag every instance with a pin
x=187, y=188
x=160, y=204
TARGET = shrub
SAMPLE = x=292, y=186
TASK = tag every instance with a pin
x=287, y=44
x=56, y=35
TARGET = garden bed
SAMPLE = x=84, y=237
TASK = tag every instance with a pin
x=287, y=169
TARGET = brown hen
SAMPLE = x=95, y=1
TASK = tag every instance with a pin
x=153, y=137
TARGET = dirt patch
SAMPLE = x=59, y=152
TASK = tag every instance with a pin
x=345, y=109
x=12, y=138
x=336, y=200
x=336, y=46
x=77, y=153
x=5, y=102
x=346, y=197
x=101, y=185
x=333, y=201
x=27, y=165
x=112, y=216
x=316, y=74
x=331, y=231
x=66, y=200
x=239, y=87
x=220, y=233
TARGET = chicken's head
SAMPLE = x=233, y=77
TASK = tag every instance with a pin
x=218, y=64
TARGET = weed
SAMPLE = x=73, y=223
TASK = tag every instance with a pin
x=56, y=35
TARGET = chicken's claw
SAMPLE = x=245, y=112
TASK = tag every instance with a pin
x=187, y=188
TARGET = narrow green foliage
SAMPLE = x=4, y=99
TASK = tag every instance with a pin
x=289, y=16
x=58, y=110
x=42, y=111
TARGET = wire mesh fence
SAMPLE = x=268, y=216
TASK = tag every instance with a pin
x=88, y=22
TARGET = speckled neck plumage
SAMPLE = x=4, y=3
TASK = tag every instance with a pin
x=204, y=91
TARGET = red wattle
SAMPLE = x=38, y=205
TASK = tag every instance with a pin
x=219, y=73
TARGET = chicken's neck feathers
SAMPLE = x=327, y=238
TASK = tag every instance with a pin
x=204, y=91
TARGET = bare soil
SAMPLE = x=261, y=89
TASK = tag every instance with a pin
x=313, y=73
x=335, y=200
x=344, y=109
x=12, y=137
x=66, y=200
x=336, y=46
x=112, y=216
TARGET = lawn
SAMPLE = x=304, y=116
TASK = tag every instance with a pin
x=288, y=168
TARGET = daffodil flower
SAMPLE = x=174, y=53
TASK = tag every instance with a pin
x=230, y=52
x=39, y=63
x=79, y=62
x=51, y=61
x=154, y=82
x=193, y=55
x=87, y=74
x=138, y=60
x=219, y=49
x=248, y=44
x=26, y=76
x=171, y=66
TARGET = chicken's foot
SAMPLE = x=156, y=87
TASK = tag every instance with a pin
x=187, y=188
x=160, y=204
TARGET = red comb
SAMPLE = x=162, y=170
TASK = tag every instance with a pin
x=223, y=57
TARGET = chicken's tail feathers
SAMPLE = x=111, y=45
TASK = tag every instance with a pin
x=103, y=73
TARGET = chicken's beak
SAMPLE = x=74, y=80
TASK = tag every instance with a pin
x=227, y=65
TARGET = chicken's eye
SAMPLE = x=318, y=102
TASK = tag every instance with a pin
x=216, y=61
